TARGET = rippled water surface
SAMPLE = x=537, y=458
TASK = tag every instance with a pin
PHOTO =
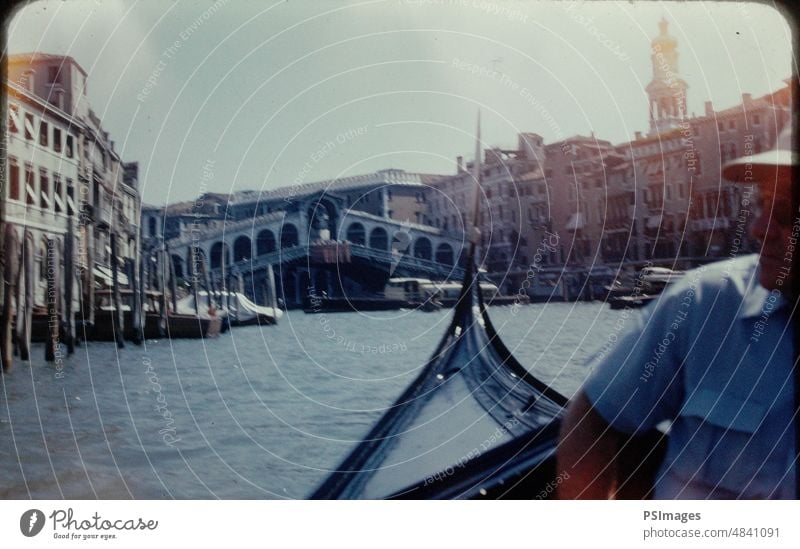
x=257, y=413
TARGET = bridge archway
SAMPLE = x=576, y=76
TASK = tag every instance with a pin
x=444, y=254
x=357, y=234
x=289, y=236
x=265, y=242
x=220, y=255
x=242, y=249
x=379, y=239
x=423, y=249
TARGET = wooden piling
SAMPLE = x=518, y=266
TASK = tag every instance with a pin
x=193, y=259
x=228, y=290
x=116, y=315
x=88, y=280
x=204, y=272
x=173, y=283
x=52, y=300
x=11, y=254
x=216, y=290
x=144, y=286
x=212, y=288
x=137, y=322
x=69, y=282
x=162, y=287
x=25, y=297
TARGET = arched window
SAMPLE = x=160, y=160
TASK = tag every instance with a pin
x=265, y=242
x=289, y=237
x=217, y=251
x=242, y=249
x=356, y=234
x=423, y=248
x=378, y=239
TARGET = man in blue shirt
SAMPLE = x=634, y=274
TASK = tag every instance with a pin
x=712, y=358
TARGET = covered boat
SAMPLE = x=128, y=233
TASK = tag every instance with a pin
x=235, y=306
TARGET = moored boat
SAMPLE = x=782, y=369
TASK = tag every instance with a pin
x=235, y=308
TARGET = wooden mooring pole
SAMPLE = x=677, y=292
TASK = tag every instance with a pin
x=69, y=284
x=173, y=283
x=116, y=316
x=162, y=288
x=11, y=255
x=137, y=322
x=25, y=298
x=52, y=299
x=194, y=259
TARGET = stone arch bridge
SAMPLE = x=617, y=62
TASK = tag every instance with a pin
x=318, y=243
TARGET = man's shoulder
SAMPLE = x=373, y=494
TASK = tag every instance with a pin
x=729, y=277
x=740, y=265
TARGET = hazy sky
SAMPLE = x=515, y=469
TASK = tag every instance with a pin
x=258, y=89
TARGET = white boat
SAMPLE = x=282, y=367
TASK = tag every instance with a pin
x=238, y=309
x=410, y=289
x=448, y=293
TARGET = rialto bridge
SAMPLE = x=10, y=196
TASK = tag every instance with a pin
x=317, y=242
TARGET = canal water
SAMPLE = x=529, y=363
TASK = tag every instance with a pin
x=260, y=412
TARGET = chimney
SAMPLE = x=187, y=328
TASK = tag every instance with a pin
x=638, y=136
x=459, y=164
x=709, y=109
x=746, y=98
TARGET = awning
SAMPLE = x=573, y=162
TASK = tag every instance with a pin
x=575, y=222
x=104, y=274
x=654, y=221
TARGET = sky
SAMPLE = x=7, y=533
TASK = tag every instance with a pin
x=237, y=94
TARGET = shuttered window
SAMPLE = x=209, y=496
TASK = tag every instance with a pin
x=13, y=179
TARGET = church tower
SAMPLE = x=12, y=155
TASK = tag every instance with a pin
x=666, y=91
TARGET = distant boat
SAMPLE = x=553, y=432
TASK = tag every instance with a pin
x=398, y=293
x=448, y=293
x=643, y=289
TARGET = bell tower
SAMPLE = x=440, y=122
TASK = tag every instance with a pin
x=666, y=92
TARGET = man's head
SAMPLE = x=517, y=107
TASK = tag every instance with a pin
x=771, y=173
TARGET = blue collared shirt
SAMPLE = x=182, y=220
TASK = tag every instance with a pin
x=713, y=355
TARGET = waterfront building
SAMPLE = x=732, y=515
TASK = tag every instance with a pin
x=657, y=198
x=62, y=164
x=513, y=200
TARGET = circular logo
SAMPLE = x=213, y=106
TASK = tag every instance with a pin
x=31, y=522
